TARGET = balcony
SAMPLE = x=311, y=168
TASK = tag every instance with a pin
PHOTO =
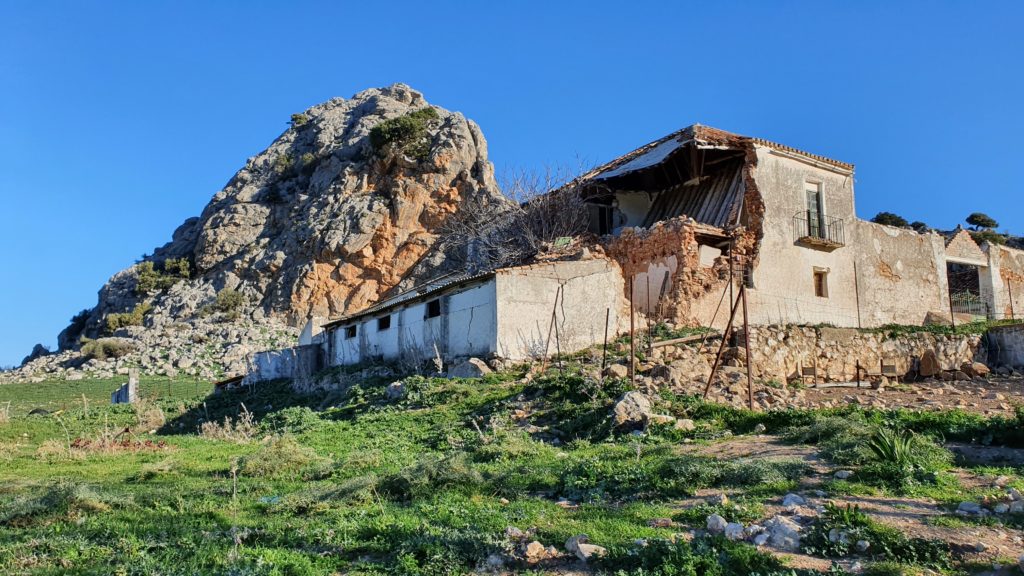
x=819, y=231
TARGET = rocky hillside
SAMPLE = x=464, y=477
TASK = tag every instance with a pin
x=345, y=205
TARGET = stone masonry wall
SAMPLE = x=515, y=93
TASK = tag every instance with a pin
x=779, y=352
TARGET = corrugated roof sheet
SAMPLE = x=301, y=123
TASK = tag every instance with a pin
x=715, y=200
x=424, y=290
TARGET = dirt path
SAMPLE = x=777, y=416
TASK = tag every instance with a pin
x=914, y=517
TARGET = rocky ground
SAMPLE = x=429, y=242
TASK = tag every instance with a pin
x=204, y=349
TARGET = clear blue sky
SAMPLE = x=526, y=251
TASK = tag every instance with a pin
x=118, y=120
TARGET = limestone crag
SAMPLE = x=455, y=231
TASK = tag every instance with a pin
x=321, y=223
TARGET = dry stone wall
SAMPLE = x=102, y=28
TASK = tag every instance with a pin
x=779, y=352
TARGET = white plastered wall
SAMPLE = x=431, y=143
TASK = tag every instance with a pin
x=784, y=291
x=527, y=298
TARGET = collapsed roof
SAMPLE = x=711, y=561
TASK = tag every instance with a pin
x=696, y=172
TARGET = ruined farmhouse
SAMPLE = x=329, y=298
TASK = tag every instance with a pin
x=675, y=228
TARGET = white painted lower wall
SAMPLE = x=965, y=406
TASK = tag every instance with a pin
x=507, y=315
x=465, y=328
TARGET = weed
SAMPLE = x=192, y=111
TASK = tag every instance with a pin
x=840, y=528
x=431, y=474
x=62, y=497
x=241, y=429
x=294, y=419
x=280, y=457
x=704, y=556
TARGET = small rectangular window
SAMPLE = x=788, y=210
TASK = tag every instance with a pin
x=350, y=332
x=433, y=309
x=821, y=283
x=383, y=323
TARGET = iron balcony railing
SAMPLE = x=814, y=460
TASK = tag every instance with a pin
x=819, y=229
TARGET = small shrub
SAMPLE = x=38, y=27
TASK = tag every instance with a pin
x=229, y=303
x=431, y=475
x=308, y=162
x=406, y=134
x=149, y=278
x=242, y=429
x=178, y=267
x=106, y=348
x=295, y=419
x=299, y=119
x=283, y=163
x=148, y=416
x=280, y=456
x=53, y=449
x=841, y=439
x=902, y=458
x=125, y=319
x=752, y=473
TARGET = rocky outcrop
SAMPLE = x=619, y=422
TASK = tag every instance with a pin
x=323, y=222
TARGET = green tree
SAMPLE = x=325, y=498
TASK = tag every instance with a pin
x=920, y=227
x=981, y=220
x=890, y=219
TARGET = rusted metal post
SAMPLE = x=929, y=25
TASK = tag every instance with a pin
x=952, y=315
x=604, y=349
x=746, y=344
x=632, y=332
x=721, y=348
x=551, y=327
x=650, y=328
x=1009, y=290
x=558, y=343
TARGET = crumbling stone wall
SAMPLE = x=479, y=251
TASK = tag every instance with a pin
x=645, y=255
x=1010, y=294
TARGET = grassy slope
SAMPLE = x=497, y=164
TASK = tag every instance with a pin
x=367, y=486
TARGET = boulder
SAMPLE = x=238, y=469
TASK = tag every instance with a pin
x=685, y=424
x=929, y=365
x=618, y=371
x=632, y=410
x=395, y=391
x=784, y=534
x=535, y=552
x=793, y=500
x=969, y=508
x=716, y=524
x=472, y=368
x=734, y=531
x=975, y=369
x=582, y=548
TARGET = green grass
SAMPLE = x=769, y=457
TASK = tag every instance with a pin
x=54, y=395
x=351, y=482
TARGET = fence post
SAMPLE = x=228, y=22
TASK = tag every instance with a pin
x=632, y=332
x=952, y=315
x=746, y=344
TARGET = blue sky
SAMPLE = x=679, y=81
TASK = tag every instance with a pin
x=118, y=120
